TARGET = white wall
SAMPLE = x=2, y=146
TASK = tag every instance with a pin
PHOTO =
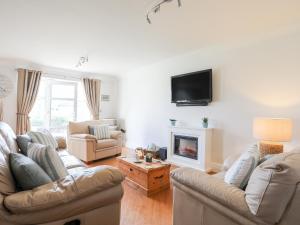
x=109, y=86
x=10, y=102
x=261, y=79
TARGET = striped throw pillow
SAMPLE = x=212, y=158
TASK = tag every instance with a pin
x=44, y=138
x=47, y=158
x=100, y=131
x=239, y=173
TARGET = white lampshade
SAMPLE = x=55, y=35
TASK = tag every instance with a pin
x=272, y=129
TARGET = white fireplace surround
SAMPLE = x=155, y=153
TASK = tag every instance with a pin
x=204, y=136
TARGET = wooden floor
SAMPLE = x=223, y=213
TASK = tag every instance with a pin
x=138, y=209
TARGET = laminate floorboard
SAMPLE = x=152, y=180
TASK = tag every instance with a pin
x=138, y=209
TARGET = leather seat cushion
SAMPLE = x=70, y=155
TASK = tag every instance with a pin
x=106, y=143
x=73, y=187
x=76, y=170
x=70, y=161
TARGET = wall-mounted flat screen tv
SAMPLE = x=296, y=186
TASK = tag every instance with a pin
x=192, y=88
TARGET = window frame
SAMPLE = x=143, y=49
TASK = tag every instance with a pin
x=48, y=99
x=74, y=100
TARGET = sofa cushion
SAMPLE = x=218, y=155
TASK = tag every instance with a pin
x=73, y=187
x=23, y=141
x=48, y=159
x=272, y=186
x=44, y=138
x=106, y=143
x=239, y=173
x=70, y=161
x=100, y=131
x=7, y=184
x=9, y=136
x=27, y=173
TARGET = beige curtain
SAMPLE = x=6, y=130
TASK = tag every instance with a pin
x=28, y=87
x=1, y=109
x=92, y=93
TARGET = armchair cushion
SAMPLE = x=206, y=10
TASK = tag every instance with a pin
x=115, y=134
x=100, y=131
x=72, y=187
x=106, y=143
x=83, y=136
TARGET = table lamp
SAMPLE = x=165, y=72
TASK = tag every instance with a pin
x=271, y=132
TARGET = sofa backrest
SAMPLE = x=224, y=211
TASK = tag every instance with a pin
x=292, y=214
x=7, y=184
x=82, y=127
x=9, y=136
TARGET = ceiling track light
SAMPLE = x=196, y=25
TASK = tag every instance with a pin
x=156, y=8
x=82, y=60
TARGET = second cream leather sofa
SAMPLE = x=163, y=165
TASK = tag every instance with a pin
x=273, y=188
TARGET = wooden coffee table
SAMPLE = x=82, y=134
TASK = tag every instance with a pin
x=149, y=178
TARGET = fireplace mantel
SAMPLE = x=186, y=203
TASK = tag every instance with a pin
x=204, y=136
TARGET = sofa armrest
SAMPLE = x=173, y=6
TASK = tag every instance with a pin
x=83, y=136
x=115, y=134
x=70, y=188
x=211, y=187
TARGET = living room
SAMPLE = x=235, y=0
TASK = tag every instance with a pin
x=105, y=88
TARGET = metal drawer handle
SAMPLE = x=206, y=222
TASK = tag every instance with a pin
x=161, y=176
x=131, y=169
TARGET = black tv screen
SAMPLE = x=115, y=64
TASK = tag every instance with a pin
x=192, y=88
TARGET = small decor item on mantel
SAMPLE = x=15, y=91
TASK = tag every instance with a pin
x=148, y=157
x=173, y=122
x=205, y=122
x=139, y=153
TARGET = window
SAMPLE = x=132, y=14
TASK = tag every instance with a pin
x=57, y=103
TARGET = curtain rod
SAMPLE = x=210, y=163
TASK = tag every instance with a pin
x=60, y=76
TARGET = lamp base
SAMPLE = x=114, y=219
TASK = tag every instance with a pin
x=267, y=148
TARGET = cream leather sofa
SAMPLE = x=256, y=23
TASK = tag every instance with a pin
x=86, y=147
x=201, y=199
x=87, y=196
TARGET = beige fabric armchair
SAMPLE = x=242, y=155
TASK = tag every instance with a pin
x=86, y=146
